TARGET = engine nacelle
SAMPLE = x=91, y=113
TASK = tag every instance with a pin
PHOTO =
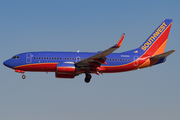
x=65, y=75
x=65, y=68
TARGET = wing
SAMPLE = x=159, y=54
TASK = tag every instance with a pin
x=96, y=60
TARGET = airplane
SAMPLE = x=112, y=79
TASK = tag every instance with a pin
x=72, y=64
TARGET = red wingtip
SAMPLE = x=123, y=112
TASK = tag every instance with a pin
x=118, y=44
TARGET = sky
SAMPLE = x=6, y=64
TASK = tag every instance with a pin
x=88, y=26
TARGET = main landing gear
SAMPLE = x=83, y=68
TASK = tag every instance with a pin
x=87, y=78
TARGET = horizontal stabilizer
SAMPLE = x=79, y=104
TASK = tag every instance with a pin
x=163, y=55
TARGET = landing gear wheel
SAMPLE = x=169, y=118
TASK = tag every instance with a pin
x=87, y=78
x=23, y=76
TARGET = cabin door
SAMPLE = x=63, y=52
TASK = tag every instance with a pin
x=135, y=60
x=28, y=58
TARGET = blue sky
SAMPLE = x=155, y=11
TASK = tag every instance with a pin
x=88, y=26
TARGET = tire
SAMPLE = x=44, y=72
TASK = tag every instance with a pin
x=88, y=78
x=23, y=76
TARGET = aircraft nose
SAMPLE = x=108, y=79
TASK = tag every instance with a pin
x=7, y=63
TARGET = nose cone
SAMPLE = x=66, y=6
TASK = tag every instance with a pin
x=7, y=63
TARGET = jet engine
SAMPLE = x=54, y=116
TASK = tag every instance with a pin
x=65, y=70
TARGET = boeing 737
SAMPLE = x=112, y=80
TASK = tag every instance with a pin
x=72, y=64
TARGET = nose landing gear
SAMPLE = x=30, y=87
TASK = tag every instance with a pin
x=88, y=78
x=21, y=71
x=23, y=76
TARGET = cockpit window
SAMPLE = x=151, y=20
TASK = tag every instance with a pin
x=15, y=57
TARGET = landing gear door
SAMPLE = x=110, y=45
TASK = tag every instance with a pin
x=28, y=58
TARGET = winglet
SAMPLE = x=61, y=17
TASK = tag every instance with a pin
x=118, y=44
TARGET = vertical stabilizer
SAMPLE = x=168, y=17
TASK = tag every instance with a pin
x=156, y=43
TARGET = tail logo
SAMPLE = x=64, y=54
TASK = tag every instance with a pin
x=154, y=36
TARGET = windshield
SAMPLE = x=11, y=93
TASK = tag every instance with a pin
x=15, y=57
